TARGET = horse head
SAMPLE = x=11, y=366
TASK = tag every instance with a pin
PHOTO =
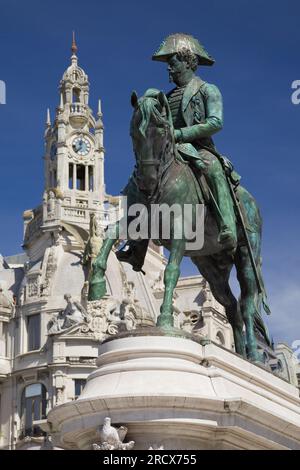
x=152, y=136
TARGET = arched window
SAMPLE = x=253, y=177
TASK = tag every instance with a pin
x=33, y=408
x=220, y=338
x=76, y=95
x=80, y=177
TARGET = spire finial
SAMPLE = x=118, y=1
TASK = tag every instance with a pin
x=99, y=114
x=61, y=103
x=48, y=121
x=74, y=48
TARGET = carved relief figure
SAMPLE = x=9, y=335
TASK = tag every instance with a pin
x=73, y=314
x=51, y=205
x=112, y=438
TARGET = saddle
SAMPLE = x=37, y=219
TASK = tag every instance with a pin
x=188, y=151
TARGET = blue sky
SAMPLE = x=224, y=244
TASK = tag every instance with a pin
x=256, y=47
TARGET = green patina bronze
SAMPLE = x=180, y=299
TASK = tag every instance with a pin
x=177, y=162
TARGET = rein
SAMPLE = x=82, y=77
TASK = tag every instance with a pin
x=160, y=163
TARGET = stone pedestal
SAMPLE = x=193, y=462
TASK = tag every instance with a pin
x=179, y=394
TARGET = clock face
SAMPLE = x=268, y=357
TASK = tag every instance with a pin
x=81, y=146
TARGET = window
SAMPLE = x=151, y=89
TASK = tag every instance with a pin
x=34, y=332
x=76, y=95
x=33, y=408
x=71, y=176
x=220, y=338
x=91, y=179
x=80, y=176
x=79, y=385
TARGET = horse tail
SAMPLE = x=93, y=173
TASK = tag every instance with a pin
x=261, y=300
x=253, y=223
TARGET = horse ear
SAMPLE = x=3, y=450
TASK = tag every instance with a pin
x=162, y=99
x=134, y=99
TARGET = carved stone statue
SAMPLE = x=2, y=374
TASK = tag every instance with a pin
x=73, y=314
x=6, y=299
x=51, y=205
x=112, y=438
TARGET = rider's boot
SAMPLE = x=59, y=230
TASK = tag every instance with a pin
x=135, y=255
x=222, y=204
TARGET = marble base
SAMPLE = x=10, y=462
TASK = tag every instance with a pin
x=180, y=394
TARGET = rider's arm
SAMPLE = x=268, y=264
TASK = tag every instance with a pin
x=214, y=117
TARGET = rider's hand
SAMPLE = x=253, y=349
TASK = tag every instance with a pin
x=178, y=135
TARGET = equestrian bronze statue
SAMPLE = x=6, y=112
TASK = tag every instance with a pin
x=177, y=163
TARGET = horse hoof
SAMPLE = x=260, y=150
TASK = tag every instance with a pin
x=165, y=321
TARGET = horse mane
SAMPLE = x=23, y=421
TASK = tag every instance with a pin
x=147, y=105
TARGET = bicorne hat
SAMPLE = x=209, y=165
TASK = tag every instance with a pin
x=179, y=41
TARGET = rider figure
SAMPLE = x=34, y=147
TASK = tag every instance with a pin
x=197, y=114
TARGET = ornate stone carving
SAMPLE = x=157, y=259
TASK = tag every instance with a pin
x=51, y=266
x=206, y=292
x=6, y=301
x=33, y=286
x=51, y=203
x=190, y=321
x=73, y=314
x=59, y=384
x=158, y=284
x=104, y=318
x=112, y=438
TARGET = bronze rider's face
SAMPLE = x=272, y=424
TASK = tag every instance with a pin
x=180, y=72
x=176, y=69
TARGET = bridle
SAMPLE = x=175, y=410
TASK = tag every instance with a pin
x=160, y=162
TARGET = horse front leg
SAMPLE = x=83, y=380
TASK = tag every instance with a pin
x=97, y=284
x=171, y=276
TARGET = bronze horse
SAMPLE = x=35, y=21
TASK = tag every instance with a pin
x=162, y=176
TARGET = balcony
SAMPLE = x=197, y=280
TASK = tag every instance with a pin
x=78, y=115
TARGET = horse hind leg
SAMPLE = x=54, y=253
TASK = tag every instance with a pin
x=248, y=286
x=217, y=275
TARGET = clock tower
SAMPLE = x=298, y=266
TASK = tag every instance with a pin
x=74, y=153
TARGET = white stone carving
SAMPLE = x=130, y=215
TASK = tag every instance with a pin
x=59, y=384
x=112, y=438
x=73, y=314
x=51, y=205
x=51, y=266
x=190, y=321
x=33, y=286
x=104, y=318
x=158, y=284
